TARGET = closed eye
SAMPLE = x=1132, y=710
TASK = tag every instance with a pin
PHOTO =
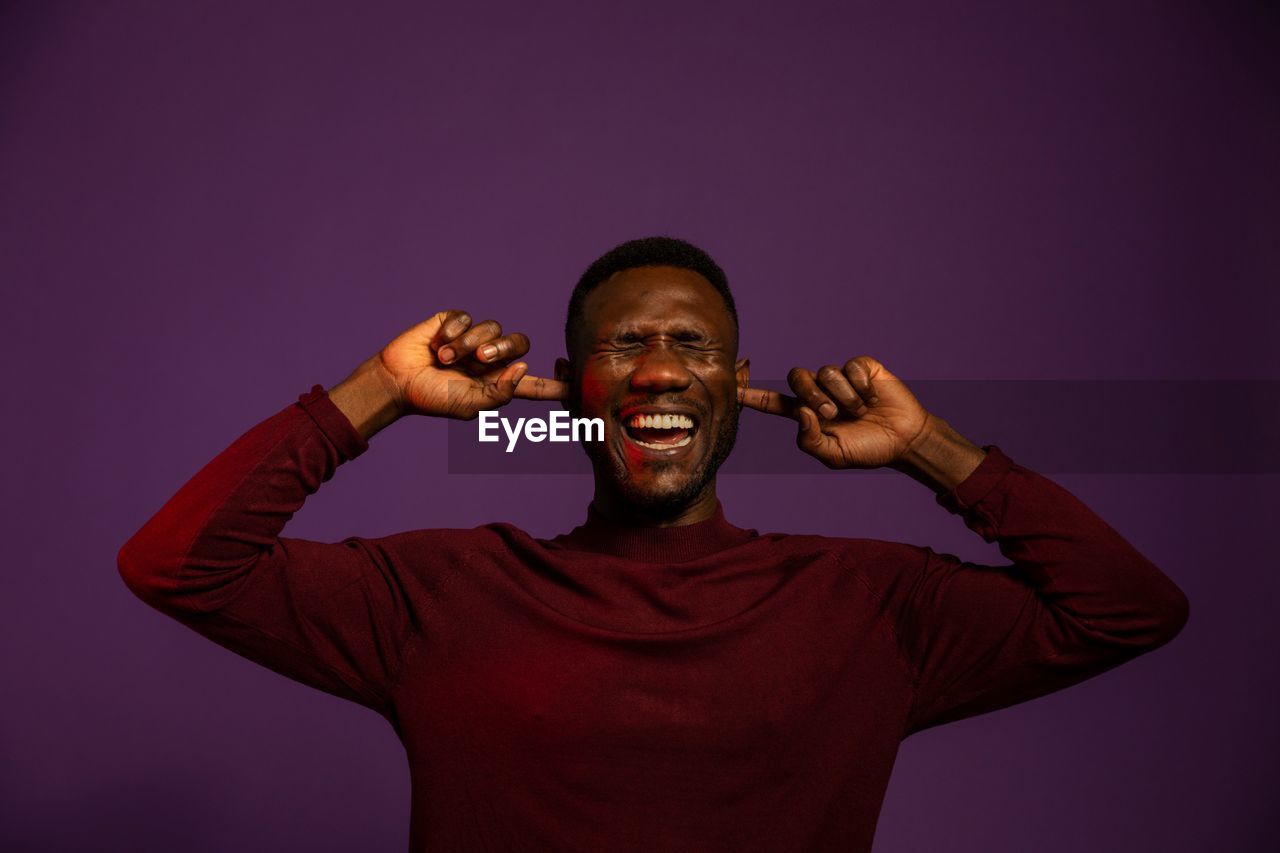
x=689, y=340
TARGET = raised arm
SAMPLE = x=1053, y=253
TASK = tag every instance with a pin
x=335, y=616
x=1076, y=600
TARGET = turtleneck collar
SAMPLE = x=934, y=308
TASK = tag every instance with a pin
x=654, y=544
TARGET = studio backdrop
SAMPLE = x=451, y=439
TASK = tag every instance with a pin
x=1055, y=221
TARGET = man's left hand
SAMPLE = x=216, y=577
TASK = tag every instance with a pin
x=856, y=416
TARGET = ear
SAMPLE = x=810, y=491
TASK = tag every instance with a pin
x=564, y=373
x=742, y=372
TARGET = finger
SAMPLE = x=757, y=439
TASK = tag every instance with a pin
x=858, y=372
x=505, y=348
x=836, y=384
x=764, y=400
x=480, y=333
x=504, y=387
x=808, y=392
x=538, y=388
x=809, y=438
x=451, y=325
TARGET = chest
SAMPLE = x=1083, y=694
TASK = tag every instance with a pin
x=762, y=688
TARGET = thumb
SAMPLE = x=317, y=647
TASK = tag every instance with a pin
x=809, y=437
x=504, y=387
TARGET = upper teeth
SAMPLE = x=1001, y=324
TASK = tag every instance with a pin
x=661, y=421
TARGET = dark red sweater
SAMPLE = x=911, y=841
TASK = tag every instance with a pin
x=696, y=688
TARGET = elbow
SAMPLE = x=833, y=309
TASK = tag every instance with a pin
x=171, y=582
x=1171, y=616
x=141, y=576
x=1161, y=616
x=1141, y=621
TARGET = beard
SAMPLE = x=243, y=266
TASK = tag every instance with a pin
x=660, y=502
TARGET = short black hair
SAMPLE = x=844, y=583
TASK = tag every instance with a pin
x=646, y=252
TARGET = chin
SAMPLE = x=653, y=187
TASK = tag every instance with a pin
x=654, y=493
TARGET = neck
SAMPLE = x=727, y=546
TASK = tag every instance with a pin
x=612, y=506
x=631, y=539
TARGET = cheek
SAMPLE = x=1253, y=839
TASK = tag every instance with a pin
x=595, y=391
x=722, y=389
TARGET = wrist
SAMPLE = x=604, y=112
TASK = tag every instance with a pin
x=939, y=457
x=369, y=397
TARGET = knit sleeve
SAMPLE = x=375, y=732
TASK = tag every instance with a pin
x=1076, y=600
x=334, y=616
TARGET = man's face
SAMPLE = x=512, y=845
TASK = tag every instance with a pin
x=654, y=359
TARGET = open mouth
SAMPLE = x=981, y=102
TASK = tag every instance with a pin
x=660, y=431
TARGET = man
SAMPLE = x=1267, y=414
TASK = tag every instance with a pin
x=658, y=678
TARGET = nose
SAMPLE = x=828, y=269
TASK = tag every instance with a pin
x=661, y=370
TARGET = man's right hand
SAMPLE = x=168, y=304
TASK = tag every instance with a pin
x=446, y=366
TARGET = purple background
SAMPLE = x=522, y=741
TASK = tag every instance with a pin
x=209, y=207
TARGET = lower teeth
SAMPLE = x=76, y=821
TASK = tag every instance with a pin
x=681, y=443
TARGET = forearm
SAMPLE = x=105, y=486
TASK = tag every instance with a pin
x=197, y=549
x=1082, y=565
x=1095, y=588
x=940, y=457
x=368, y=398
x=1077, y=600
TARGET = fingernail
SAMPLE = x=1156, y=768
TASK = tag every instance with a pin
x=828, y=411
x=446, y=354
x=488, y=351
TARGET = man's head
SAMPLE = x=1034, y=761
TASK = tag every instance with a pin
x=645, y=252
x=652, y=338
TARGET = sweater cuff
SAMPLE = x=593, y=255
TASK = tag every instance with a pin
x=965, y=499
x=341, y=433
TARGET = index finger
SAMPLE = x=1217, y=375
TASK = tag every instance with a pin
x=538, y=388
x=771, y=402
